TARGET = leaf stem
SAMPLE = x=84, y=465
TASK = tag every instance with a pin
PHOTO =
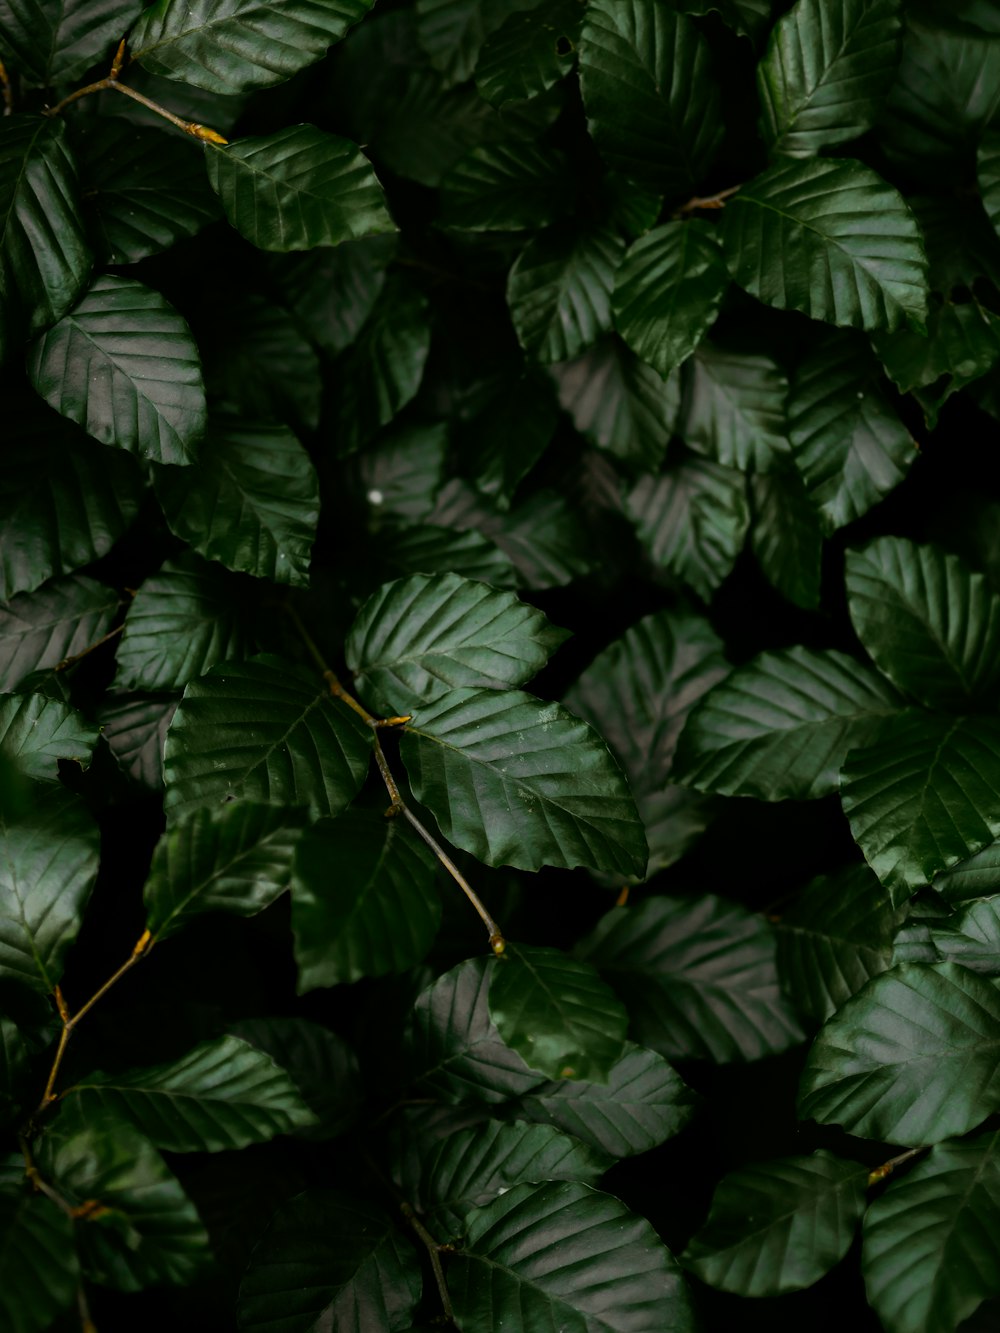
x=67, y=662
x=886, y=1169
x=6, y=91
x=708, y=201
x=434, y=1249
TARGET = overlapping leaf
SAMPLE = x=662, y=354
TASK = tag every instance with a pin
x=559, y=290
x=786, y=537
x=734, y=409
x=529, y=52
x=506, y=187
x=976, y=877
x=43, y=628
x=452, y=32
x=988, y=164
x=135, y=728
x=502, y=444
x=971, y=937
x=332, y=291
x=36, y=732
x=57, y=44
x=39, y=1268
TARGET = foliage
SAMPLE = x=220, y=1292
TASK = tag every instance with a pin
x=499, y=665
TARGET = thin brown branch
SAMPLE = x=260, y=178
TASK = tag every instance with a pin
x=67, y=662
x=37, y=1180
x=886, y=1169
x=6, y=91
x=87, y=1324
x=707, y=201
x=434, y=1251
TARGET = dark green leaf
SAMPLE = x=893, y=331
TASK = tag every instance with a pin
x=557, y=1013
x=931, y=1249
x=781, y=727
x=830, y=238
x=545, y=1255
x=251, y=501
x=989, y=176
x=559, y=290
x=241, y=44
x=924, y=796
x=506, y=187
x=452, y=32
x=57, y=43
x=974, y=878
x=652, y=103
x=529, y=52
x=378, y=915
x=425, y=549
x=501, y=445
x=668, y=290
x=786, y=538
x=297, y=189
x=417, y=638
x=15, y=1062
x=135, y=728
x=698, y=977
x=403, y=470
x=824, y=74
x=43, y=628
x=237, y=859
x=263, y=730
x=124, y=366
x=779, y=1226
x=734, y=408
x=971, y=937
x=331, y=292
x=913, y=1058
x=36, y=732
x=39, y=1270
x=328, y=1260
x=746, y=17
x=519, y=782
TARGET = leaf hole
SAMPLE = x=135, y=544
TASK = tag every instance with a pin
x=564, y=47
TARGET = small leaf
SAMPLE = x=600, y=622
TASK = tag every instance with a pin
x=36, y=732
x=786, y=537
x=734, y=408
x=39, y=1269
x=559, y=290
x=506, y=187
x=698, y=978
x=40, y=629
x=961, y=344
x=529, y=52
x=778, y=1226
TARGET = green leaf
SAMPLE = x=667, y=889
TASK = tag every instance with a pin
x=452, y=32
x=834, y=937
x=928, y=621
x=652, y=103
x=778, y=1226
x=559, y=290
x=506, y=441
x=454, y=1052
x=135, y=728
x=849, y=445
x=971, y=937
x=417, y=638
x=36, y=732
x=746, y=17
x=58, y=43
x=619, y=403
x=564, y=1255
x=263, y=730
x=331, y=292
x=924, y=796
x=381, y=913
x=328, y=1260
x=830, y=238
x=519, y=782
x=237, y=860
x=973, y=878
x=643, y=1103
x=15, y=1063
x=781, y=727
x=668, y=290
x=44, y=258
x=40, y=629
x=144, y=191
x=124, y=366
x=988, y=164
x=786, y=537
x=403, y=470
x=529, y=52
x=182, y=620
x=962, y=343
x=931, y=1253
x=913, y=1058
x=556, y=1013
x=735, y=408
x=692, y=519
x=506, y=187
x=297, y=188
x=825, y=72
x=64, y=500
x=250, y=501
x=151, y=1232
x=426, y=549
x=47, y=868
x=224, y=1094
x=698, y=978
x=241, y=44
x=39, y=1270
x=638, y=693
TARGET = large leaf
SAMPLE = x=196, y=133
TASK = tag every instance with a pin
x=835, y=936
x=381, y=911
x=417, y=638
x=849, y=445
x=779, y=1226
x=224, y=1094
x=124, y=366
x=781, y=727
x=328, y=1260
x=652, y=103
x=39, y=1269
x=923, y=797
x=734, y=408
x=830, y=238
x=297, y=188
x=44, y=259
x=236, y=860
x=931, y=1249
x=557, y=1013
x=263, y=730
x=643, y=1103
x=825, y=72
x=928, y=621
x=559, y=290
x=57, y=43
x=43, y=628
x=698, y=977
x=239, y=44
x=913, y=1058
x=563, y=1255
x=135, y=728
x=506, y=187
x=668, y=290
x=519, y=782
x=786, y=537
x=36, y=732
x=332, y=291
x=251, y=501
x=529, y=52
